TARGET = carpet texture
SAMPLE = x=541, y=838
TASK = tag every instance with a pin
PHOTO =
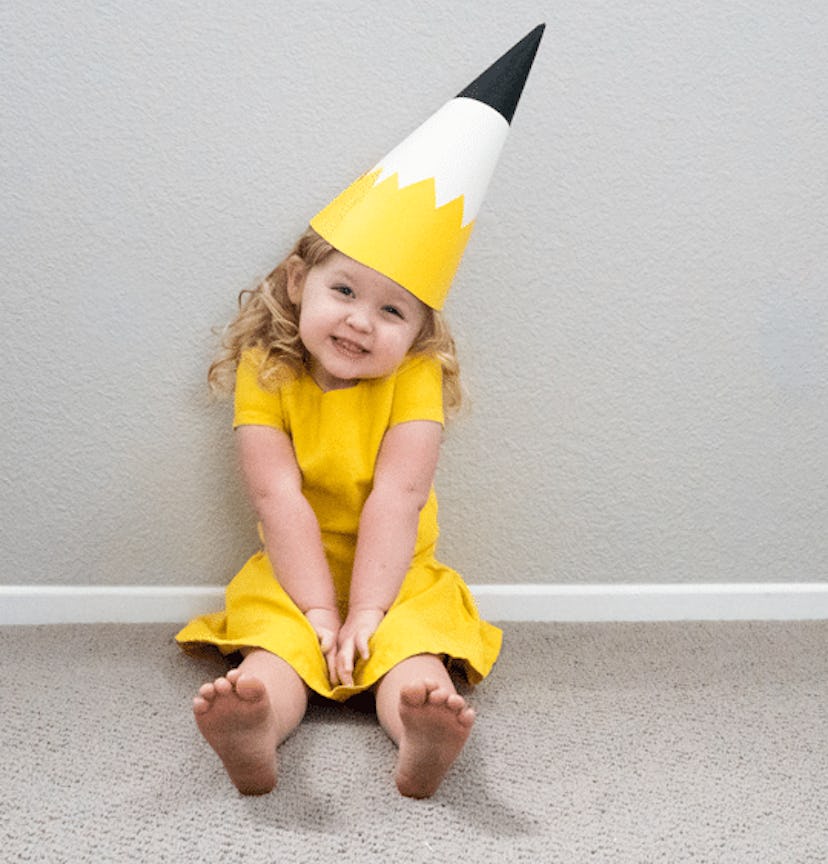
x=679, y=742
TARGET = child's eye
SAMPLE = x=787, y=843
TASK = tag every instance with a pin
x=392, y=310
x=343, y=289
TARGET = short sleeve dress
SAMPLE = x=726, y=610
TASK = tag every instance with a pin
x=336, y=436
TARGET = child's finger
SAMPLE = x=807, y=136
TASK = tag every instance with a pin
x=326, y=640
x=345, y=662
x=362, y=646
x=327, y=644
x=330, y=657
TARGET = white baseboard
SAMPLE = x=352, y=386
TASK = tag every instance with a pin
x=88, y=604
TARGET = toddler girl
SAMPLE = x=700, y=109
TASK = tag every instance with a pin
x=342, y=368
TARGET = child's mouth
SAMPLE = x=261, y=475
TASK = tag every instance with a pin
x=352, y=349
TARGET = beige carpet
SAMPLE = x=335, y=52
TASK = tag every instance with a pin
x=595, y=743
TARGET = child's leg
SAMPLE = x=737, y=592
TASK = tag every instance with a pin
x=246, y=714
x=422, y=712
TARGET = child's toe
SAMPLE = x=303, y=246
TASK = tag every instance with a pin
x=223, y=686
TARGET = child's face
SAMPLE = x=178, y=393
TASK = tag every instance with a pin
x=354, y=322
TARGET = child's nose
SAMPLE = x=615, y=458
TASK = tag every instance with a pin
x=360, y=320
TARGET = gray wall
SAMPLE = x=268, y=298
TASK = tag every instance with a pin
x=642, y=312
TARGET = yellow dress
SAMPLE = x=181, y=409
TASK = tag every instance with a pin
x=336, y=436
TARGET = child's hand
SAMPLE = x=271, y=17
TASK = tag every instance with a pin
x=326, y=623
x=358, y=628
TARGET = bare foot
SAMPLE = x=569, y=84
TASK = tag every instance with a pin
x=235, y=716
x=436, y=724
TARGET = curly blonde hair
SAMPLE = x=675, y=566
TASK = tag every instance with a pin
x=269, y=321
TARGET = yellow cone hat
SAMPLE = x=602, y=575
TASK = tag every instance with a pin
x=411, y=215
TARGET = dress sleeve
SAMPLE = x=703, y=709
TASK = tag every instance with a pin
x=418, y=392
x=255, y=406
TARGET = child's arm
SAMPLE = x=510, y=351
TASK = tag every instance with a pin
x=291, y=530
x=403, y=477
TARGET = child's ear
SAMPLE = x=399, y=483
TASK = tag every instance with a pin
x=296, y=272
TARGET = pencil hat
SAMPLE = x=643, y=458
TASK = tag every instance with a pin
x=410, y=216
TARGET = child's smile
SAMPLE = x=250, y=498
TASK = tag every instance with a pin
x=354, y=322
x=349, y=348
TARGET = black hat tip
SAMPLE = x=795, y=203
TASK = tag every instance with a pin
x=501, y=85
